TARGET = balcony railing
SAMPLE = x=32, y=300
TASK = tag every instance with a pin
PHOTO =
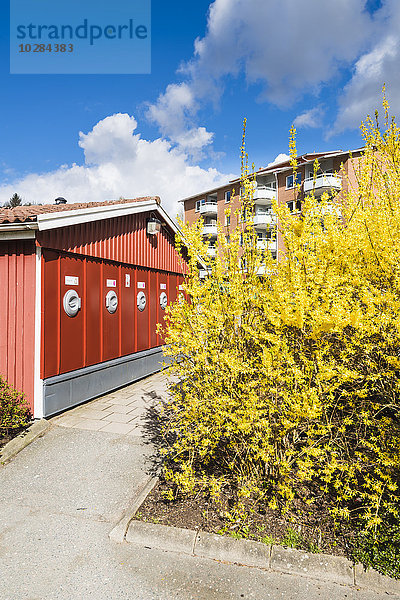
x=264, y=194
x=323, y=183
x=210, y=230
x=209, y=208
x=264, y=219
x=211, y=251
x=265, y=244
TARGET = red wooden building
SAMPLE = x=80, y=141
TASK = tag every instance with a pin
x=84, y=286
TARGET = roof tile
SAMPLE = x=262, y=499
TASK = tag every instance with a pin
x=27, y=214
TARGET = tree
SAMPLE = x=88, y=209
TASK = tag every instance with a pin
x=14, y=201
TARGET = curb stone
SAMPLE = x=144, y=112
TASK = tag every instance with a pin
x=226, y=549
x=376, y=581
x=23, y=439
x=118, y=533
x=319, y=566
x=323, y=567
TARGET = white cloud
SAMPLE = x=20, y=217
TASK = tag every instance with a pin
x=118, y=162
x=379, y=65
x=310, y=118
x=173, y=113
x=288, y=48
x=279, y=159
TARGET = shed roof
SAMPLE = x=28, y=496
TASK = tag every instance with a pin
x=27, y=214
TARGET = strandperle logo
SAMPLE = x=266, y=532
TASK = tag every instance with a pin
x=91, y=37
x=85, y=31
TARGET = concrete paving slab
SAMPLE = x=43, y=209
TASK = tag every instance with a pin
x=94, y=414
x=122, y=400
x=121, y=418
x=90, y=424
x=68, y=421
x=122, y=409
x=119, y=428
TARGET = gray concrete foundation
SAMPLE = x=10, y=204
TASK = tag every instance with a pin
x=70, y=389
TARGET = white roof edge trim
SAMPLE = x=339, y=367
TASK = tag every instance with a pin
x=66, y=218
x=206, y=192
x=18, y=226
x=331, y=154
x=17, y=234
x=168, y=219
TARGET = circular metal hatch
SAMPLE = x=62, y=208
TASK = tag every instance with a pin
x=71, y=303
x=111, y=301
x=163, y=300
x=141, y=301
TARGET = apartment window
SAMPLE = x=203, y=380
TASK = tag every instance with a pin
x=290, y=181
x=227, y=196
x=200, y=203
x=228, y=239
x=227, y=220
x=294, y=206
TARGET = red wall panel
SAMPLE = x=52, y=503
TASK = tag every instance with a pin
x=111, y=322
x=128, y=310
x=17, y=316
x=153, y=301
x=142, y=318
x=51, y=313
x=163, y=286
x=92, y=311
x=72, y=349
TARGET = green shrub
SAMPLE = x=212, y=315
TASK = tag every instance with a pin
x=380, y=549
x=14, y=410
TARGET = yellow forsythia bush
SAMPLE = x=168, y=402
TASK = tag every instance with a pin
x=289, y=369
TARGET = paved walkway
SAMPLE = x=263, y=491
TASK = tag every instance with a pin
x=62, y=495
x=121, y=412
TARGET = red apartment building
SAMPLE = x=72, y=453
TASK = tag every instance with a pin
x=335, y=174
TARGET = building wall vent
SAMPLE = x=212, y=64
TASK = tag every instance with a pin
x=163, y=300
x=71, y=303
x=141, y=301
x=111, y=301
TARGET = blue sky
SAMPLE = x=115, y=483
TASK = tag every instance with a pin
x=177, y=131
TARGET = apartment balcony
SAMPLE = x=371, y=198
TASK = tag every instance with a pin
x=210, y=231
x=264, y=220
x=329, y=208
x=264, y=194
x=266, y=271
x=323, y=183
x=265, y=244
x=209, y=209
